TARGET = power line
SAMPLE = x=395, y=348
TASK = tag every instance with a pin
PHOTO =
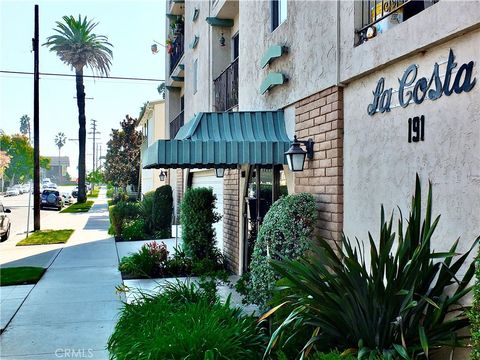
x=85, y=76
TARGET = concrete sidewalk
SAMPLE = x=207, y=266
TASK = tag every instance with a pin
x=73, y=309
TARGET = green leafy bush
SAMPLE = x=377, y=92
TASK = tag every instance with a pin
x=162, y=211
x=285, y=234
x=400, y=305
x=134, y=230
x=185, y=324
x=197, y=217
x=146, y=211
x=334, y=355
x=474, y=315
x=149, y=262
x=121, y=213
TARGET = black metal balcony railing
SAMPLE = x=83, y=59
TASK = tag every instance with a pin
x=226, y=88
x=176, y=124
x=177, y=51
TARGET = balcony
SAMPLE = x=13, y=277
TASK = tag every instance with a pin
x=176, y=124
x=226, y=88
x=176, y=52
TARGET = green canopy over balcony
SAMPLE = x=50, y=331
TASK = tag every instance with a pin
x=223, y=140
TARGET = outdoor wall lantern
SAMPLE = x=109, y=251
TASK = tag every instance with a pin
x=296, y=155
x=219, y=172
x=221, y=40
x=162, y=175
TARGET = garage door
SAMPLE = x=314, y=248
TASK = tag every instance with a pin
x=209, y=180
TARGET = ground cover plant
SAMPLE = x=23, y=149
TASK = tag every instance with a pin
x=20, y=275
x=406, y=302
x=474, y=315
x=284, y=234
x=44, y=237
x=186, y=321
x=78, y=207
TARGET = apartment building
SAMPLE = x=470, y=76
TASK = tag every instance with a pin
x=385, y=89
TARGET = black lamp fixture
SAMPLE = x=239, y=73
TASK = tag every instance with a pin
x=219, y=172
x=296, y=155
x=221, y=40
x=162, y=175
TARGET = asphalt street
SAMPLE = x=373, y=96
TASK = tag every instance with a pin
x=18, y=217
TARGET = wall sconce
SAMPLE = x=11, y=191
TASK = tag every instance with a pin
x=219, y=172
x=296, y=155
x=221, y=40
x=162, y=175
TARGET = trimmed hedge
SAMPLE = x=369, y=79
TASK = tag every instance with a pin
x=120, y=213
x=197, y=217
x=286, y=233
x=162, y=210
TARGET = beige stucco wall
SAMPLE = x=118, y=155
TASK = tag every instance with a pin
x=380, y=164
x=310, y=64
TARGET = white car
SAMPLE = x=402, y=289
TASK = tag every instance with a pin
x=13, y=191
x=67, y=198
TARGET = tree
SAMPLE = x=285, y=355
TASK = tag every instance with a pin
x=161, y=89
x=4, y=162
x=76, y=45
x=25, y=126
x=60, y=140
x=95, y=177
x=20, y=151
x=122, y=162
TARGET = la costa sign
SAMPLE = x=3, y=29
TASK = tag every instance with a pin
x=418, y=90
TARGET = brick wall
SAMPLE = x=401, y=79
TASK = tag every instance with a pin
x=320, y=117
x=230, y=218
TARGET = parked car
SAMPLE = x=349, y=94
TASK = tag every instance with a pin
x=75, y=191
x=12, y=191
x=67, y=198
x=51, y=198
x=4, y=223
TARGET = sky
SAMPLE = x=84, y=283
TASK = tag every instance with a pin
x=131, y=26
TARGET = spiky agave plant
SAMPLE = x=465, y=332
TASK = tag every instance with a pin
x=408, y=302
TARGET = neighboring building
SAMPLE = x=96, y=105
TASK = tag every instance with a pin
x=153, y=127
x=311, y=68
x=58, y=169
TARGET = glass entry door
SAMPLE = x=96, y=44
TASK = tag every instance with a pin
x=264, y=187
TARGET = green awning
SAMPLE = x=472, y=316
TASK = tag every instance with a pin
x=225, y=140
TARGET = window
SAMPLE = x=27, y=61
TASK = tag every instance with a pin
x=236, y=44
x=279, y=12
x=377, y=16
x=195, y=76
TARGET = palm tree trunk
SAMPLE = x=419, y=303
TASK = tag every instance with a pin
x=82, y=136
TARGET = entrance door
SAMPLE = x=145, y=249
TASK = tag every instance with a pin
x=265, y=186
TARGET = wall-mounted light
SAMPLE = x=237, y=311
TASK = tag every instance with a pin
x=219, y=172
x=296, y=155
x=221, y=40
x=162, y=175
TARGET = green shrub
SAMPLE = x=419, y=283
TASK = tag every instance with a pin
x=474, y=315
x=197, y=217
x=121, y=213
x=185, y=324
x=110, y=192
x=146, y=211
x=149, y=262
x=400, y=305
x=134, y=230
x=285, y=234
x=334, y=355
x=162, y=211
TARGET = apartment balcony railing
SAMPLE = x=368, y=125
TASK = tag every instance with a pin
x=177, y=51
x=176, y=124
x=226, y=88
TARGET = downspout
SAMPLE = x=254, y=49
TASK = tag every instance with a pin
x=338, y=45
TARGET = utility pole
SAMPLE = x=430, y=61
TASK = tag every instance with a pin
x=36, y=126
x=93, y=127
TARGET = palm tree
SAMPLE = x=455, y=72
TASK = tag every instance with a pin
x=25, y=126
x=76, y=45
x=60, y=140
